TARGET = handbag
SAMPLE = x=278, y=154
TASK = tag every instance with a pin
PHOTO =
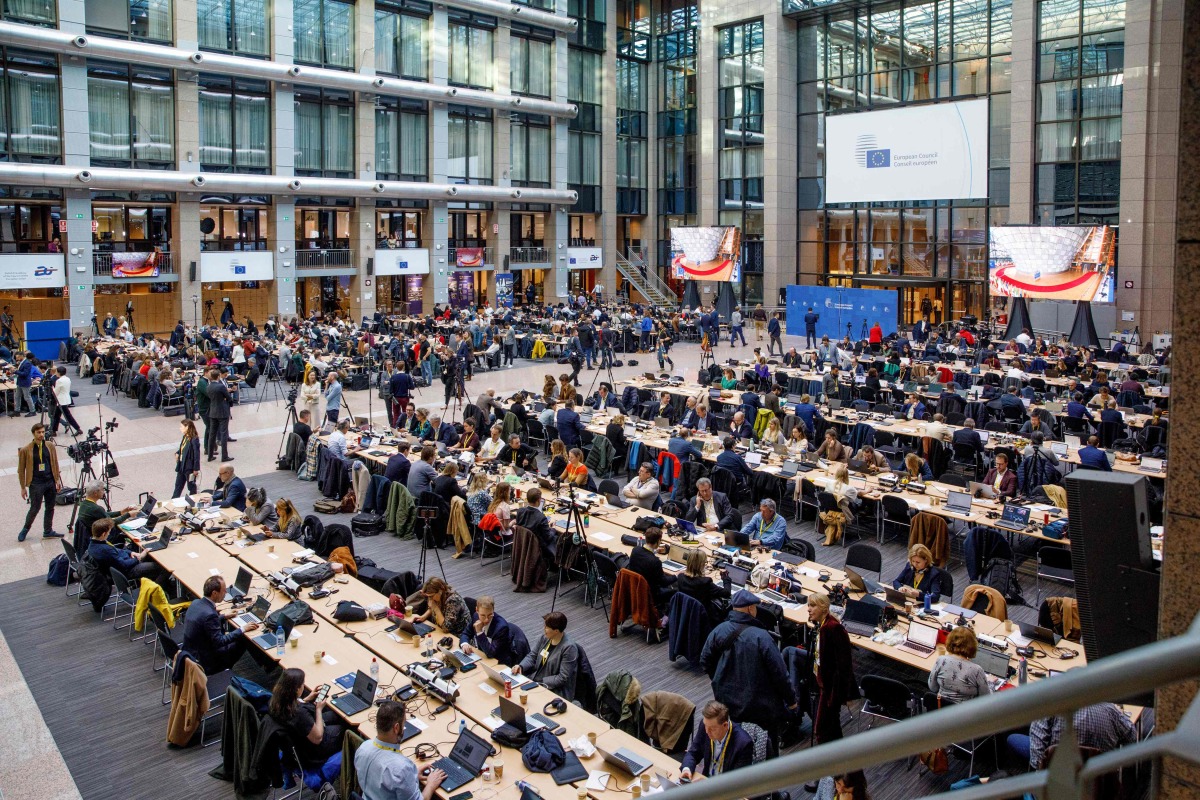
x=349, y=611
x=297, y=611
x=936, y=760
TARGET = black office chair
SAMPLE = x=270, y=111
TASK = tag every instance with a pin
x=606, y=574
x=808, y=499
x=865, y=558
x=609, y=486
x=1053, y=563
x=896, y=515
x=886, y=698
x=947, y=586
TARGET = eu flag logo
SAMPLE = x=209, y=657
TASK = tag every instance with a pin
x=879, y=158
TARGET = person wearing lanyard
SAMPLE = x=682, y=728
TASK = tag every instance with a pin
x=37, y=470
x=384, y=773
x=554, y=660
x=721, y=744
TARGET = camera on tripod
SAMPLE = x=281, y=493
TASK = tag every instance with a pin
x=292, y=394
x=84, y=450
x=427, y=512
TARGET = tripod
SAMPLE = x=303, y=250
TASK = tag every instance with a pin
x=575, y=527
x=288, y=424
x=426, y=514
x=612, y=382
x=209, y=317
x=460, y=389
x=271, y=376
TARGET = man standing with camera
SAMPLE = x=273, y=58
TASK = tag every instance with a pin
x=37, y=470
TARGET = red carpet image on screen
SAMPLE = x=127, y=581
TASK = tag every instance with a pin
x=1072, y=285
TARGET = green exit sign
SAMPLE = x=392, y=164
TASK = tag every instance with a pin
x=79, y=216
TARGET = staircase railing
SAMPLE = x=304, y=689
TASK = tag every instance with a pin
x=1066, y=778
x=635, y=269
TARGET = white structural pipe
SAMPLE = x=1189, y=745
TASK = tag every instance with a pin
x=60, y=177
x=79, y=46
x=533, y=16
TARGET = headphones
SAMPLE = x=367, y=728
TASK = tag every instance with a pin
x=555, y=707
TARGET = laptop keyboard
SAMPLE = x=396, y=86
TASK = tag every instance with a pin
x=918, y=649
x=859, y=628
x=456, y=774
x=542, y=718
x=349, y=704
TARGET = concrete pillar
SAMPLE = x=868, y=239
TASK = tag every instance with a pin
x=499, y=219
x=1022, y=113
x=558, y=278
x=185, y=238
x=779, y=155
x=437, y=287
x=283, y=138
x=1179, y=598
x=606, y=227
x=186, y=245
x=80, y=285
x=187, y=27
x=364, y=288
x=77, y=208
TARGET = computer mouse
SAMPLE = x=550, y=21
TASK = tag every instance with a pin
x=425, y=772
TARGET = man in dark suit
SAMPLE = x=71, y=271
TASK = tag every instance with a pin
x=204, y=635
x=532, y=517
x=664, y=407
x=1092, y=457
x=1076, y=409
x=489, y=633
x=688, y=419
x=682, y=447
x=1010, y=400
x=810, y=329
x=177, y=335
x=646, y=563
x=711, y=510
x=920, y=331
x=607, y=401
x=720, y=744
x=219, y=414
x=740, y=427
x=229, y=492
x=398, y=467
x=570, y=426
x=440, y=432
x=517, y=454
x=301, y=426
x=967, y=436
x=729, y=460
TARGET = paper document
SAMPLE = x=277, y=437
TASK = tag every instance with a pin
x=597, y=781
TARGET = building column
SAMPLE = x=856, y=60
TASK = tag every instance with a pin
x=779, y=156
x=283, y=137
x=1022, y=112
x=364, y=288
x=708, y=126
x=77, y=204
x=1179, y=596
x=557, y=279
x=606, y=229
x=187, y=255
x=437, y=288
x=77, y=209
x=185, y=238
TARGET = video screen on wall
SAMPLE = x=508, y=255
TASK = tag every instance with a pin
x=706, y=254
x=1076, y=262
x=936, y=151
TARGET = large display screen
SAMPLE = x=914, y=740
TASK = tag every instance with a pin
x=929, y=152
x=1053, y=263
x=706, y=254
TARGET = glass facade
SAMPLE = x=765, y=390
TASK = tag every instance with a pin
x=324, y=33
x=324, y=132
x=472, y=39
x=470, y=149
x=234, y=26
x=401, y=140
x=235, y=124
x=531, y=62
x=146, y=20
x=131, y=115
x=585, y=79
x=676, y=29
x=895, y=55
x=632, y=135
x=29, y=103
x=740, y=166
x=1080, y=74
x=402, y=39
x=529, y=139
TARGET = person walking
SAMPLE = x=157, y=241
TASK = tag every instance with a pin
x=37, y=471
x=219, y=412
x=735, y=327
x=773, y=331
x=62, y=404
x=187, y=458
x=760, y=322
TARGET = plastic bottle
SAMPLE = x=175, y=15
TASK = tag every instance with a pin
x=525, y=786
x=928, y=602
x=375, y=670
x=280, y=639
x=587, y=520
x=1022, y=672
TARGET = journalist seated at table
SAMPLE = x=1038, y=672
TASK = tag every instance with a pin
x=204, y=634
x=643, y=489
x=554, y=660
x=90, y=510
x=229, y=491
x=732, y=461
x=740, y=427
x=1092, y=457
x=605, y=400
x=709, y=509
x=440, y=432
x=719, y=744
x=314, y=729
x=919, y=576
x=766, y=527
x=488, y=633
x=683, y=448
x=1002, y=479
x=645, y=562
x=133, y=566
x=873, y=460
x=517, y=454
x=384, y=772
x=259, y=511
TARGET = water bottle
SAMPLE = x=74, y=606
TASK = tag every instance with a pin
x=1022, y=671
x=525, y=786
x=280, y=639
x=928, y=602
x=375, y=671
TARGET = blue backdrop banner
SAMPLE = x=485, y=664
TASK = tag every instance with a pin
x=837, y=307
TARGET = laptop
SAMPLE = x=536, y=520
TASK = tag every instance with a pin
x=256, y=614
x=147, y=506
x=1150, y=464
x=161, y=542
x=921, y=641
x=995, y=664
x=616, y=500
x=795, y=399
x=738, y=576
x=860, y=583
x=714, y=394
x=649, y=376
x=465, y=761
x=687, y=527
x=861, y=618
x=1053, y=408
x=414, y=628
x=753, y=459
x=625, y=759
x=1013, y=518
x=1038, y=633
x=1059, y=449
x=514, y=716
x=679, y=553
x=502, y=675
x=267, y=641
x=662, y=422
x=958, y=502
x=789, y=469
x=834, y=403
x=241, y=584
x=984, y=436
x=359, y=698
x=981, y=490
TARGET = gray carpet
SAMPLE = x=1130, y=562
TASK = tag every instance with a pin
x=101, y=700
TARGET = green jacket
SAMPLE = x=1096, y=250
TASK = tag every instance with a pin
x=201, y=395
x=600, y=458
x=401, y=511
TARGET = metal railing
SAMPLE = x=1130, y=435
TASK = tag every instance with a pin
x=528, y=255
x=1124, y=675
x=334, y=258
x=636, y=269
x=102, y=264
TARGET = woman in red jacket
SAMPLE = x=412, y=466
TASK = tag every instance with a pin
x=833, y=667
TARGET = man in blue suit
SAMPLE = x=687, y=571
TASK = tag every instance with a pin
x=440, y=432
x=1092, y=457
x=1076, y=409
x=204, y=635
x=229, y=491
x=682, y=447
x=729, y=460
x=914, y=408
x=741, y=428
x=570, y=426
x=808, y=413
x=688, y=420
x=810, y=329
x=719, y=744
x=490, y=634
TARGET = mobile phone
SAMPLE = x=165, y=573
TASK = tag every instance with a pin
x=462, y=796
x=322, y=692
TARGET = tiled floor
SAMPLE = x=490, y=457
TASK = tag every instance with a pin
x=143, y=446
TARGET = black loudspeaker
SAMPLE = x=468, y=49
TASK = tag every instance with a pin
x=192, y=271
x=1116, y=577
x=370, y=267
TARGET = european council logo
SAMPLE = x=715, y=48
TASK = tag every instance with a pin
x=879, y=158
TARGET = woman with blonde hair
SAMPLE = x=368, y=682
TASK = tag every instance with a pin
x=479, y=495
x=500, y=505
x=310, y=393
x=774, y=433
x=289, y=520
x=919, y=577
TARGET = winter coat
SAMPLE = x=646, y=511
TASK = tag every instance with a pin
x=747, y=671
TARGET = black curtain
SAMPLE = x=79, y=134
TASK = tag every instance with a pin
x=1083, y=329
x=691, y=294
x=1018, y=319
x=725, y=300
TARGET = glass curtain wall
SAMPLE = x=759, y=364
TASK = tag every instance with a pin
x=234, y=26
x=324, y=33
x=897, y=55
x=675, y=27
x=530, y=150
x=401, y=139
x=29, y=107
x=324, y=137
x=585, y=77
x=1081, y=70
x=235, y=124
x=472, y=39
x=402, y=39
x=131, y=115
x=470, y=147
x=39, y=12
x=531, y=61
x=740, y=168
x=631, y=136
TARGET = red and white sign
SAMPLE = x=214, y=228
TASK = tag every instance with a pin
x=95, y=226
x=62, y=226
